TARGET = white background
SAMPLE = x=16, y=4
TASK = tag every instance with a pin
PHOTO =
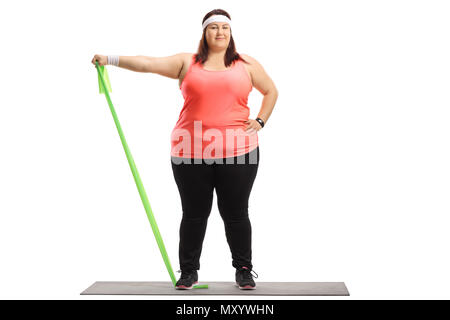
x=353, y=183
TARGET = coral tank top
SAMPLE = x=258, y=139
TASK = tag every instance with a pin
x=211, y=124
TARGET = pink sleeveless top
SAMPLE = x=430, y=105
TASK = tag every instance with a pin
x=211, y=124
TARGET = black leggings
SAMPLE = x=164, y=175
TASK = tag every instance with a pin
x=233, y=183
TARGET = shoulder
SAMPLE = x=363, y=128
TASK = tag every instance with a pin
x=186, y=57
x=187, y=54
x=252, y=61
x=253, y=65
x=260, y=79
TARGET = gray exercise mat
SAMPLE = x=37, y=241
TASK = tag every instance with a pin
x=219, y=288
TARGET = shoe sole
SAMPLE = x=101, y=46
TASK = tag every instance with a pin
x=247, y=287
x=181, y=287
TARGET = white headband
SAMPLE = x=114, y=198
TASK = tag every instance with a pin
x=216, y=18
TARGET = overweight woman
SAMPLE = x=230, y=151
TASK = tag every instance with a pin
x=214, y=144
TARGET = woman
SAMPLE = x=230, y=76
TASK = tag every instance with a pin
x=215, y=84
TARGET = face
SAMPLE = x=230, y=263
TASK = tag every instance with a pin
x=218, y=34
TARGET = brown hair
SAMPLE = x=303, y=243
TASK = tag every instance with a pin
x=203, y=49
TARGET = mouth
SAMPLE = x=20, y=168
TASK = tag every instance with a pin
x=220, y=38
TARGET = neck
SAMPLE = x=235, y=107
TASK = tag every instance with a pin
x=216, y=55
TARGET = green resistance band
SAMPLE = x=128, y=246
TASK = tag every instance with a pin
x=105, y=88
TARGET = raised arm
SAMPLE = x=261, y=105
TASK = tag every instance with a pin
x=166, y=66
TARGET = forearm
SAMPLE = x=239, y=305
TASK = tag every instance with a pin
x=267, y=105
x=133, y=63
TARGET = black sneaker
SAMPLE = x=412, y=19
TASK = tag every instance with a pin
x=244, y=278
x=187, y=280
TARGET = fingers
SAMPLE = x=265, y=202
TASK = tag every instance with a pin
x=98, y=59
x=251, y=127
